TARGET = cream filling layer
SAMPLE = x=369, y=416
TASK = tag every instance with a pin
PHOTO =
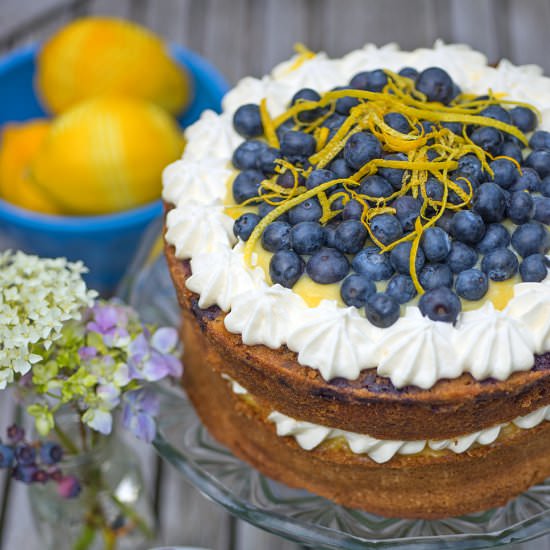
x=428, y=351
x=309, y=435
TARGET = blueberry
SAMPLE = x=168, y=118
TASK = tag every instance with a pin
x=276, y=236
x=401, y=288
x=386, y=228
x=440, y=304
x=496, y=112
x=455, y=127
x=345, y=104
x=15, y=433
x=489, y=202
x=435, y=84
x=468, y=227
x=453, y=197
x=523, y=118
x=372, y=81
x=382, y=310
x=528, y=180
x=317, y=177
x=371, y=263
x=542, y=210
x=505, y=172
x=286, y=179
x=25, y=454
x=246, y=185
x=307, y=211
x=266, y=160
x=245, y=224
x=521, y=207
x=409, y=72
x=398, y=122
x=361, y=148
x=530, y=238
x=533, y=269
x=51, y=452
x=353, y=210
x=328, y=265
x=341, y=168
x=539, y=161
x=297, y=146
x=444, y=221
x=434, y=189
x=307, y=94
x=393, y=175
x=7, y=456
x=461, y=257
x=407, y=209
x=472, y=284
x=489, y=139
x=496, y=236
x=435, y=275
x=333, y=123
x=400, y=257
x=545, y=187
x=247, y=121
x=436, y=244
x=307, y=237
x=512, y=150
x=500, y=264
x=470, y=166
x=247, y=155
x=285, y=127
x=350, y=236
x=540, y=140
x=285, y=268
x=265, y=208
x=376, y=187
x=356, y=289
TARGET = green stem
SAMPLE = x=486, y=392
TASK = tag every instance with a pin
x=86, y=538
x=66, y=440
x=133, y=515
x=110, y=540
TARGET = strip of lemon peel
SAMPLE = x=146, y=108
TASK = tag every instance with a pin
x=304, y=54
x=267, y=123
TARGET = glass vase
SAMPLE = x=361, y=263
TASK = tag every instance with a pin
x=112, y=510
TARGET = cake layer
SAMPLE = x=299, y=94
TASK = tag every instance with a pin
x=481, y=478
x=370, y=404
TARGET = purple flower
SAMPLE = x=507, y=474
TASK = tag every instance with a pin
x=87, y=352
x=139, y=412
x=110, y=321
x=68, y=487
x=165, y=340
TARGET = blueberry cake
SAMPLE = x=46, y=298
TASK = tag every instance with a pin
x=359, y=248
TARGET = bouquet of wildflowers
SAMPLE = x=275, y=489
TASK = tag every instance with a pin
x=66, y=351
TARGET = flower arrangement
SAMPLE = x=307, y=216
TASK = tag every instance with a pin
x=67, y=353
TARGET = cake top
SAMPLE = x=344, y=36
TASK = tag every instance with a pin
x=399, y=191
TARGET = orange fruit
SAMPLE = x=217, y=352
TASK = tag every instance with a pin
x=18, y=146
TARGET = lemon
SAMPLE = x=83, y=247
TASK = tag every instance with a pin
x=19, y=145
x=101, y=55
x=106, y=155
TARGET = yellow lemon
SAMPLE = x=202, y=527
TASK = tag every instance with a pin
x=106, y=155
x=101, y=55
x=19, y=145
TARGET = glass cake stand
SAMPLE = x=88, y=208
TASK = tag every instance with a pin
x=296, y=514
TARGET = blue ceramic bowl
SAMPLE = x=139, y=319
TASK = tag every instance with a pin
x=107, y=243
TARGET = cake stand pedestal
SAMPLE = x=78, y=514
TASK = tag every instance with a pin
x=296, y=514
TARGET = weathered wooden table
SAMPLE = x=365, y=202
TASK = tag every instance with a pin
x=244, y=37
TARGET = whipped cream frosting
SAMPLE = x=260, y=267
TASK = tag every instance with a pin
x=336, y=340
x=309, y=435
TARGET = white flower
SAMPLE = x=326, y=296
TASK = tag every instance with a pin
x=37, y=296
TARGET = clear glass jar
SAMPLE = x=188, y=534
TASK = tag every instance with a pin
x=112, y=511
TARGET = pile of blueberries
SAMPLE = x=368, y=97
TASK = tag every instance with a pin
x=457, y=256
